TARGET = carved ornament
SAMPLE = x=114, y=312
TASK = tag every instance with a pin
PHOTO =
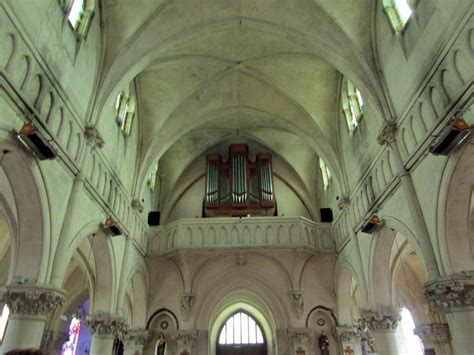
x=297, y=303
x=136, y=336
x=387, y=134
x=375, y=321
x=299, y=335
x=102, y=324
x=433, y=333
x=348, y=333
x=450, y=295
x=186, y=338
x=187, y=302
x=93, y=137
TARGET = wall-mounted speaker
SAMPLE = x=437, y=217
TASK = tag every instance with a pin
x=372, y=225
x=111, y=227
x=35, y=142
x=154, y=218
x=326, y=215
x=453, y=134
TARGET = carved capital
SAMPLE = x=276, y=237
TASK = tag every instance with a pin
x=137, y=205
x=102, y=324
x=450, y=295
x=298, y=336
x=187, y=302
x=344, y=202
x=433, y=333
x=348, y=333
x=136, y=336
x=32, y=300
x=375, y=321
x=186, y=338
x=387, y=134
x=297, y=303
x=93, y=137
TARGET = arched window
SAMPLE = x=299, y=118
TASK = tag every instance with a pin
x=241, y=329
x=352, y=104
x=398, y=12
x=413, y=343
x=124, y=112
x=326, y=174
x=152, y=178
x=79, y=14
x=4, y=321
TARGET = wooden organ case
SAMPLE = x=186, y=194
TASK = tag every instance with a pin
x=239, y=187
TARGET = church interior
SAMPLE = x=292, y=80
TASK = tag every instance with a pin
x=216, y=177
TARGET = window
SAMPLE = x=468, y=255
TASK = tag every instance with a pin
x=79, y=15
x=124, y=113
x=413, y=342
x=326, y=174
x=70, y=347
x=241, y=329
x=398, y=12
x=353, y=105
x=4, y=321
x=152, y=178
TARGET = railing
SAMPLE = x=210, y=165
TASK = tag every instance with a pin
x=26, y=77
x=240, y=233
x=449, y=81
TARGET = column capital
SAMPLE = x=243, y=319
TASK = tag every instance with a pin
x=136, y=336
x=375, y=321
x=186, y=338
x=106, y=324
x=344, y=202
x=93, y=137
x=348, y=333
x=37, y=300
x=187, y=302
x=299, y=336
x=450, y=294
x=387, y=134
x=433, y=333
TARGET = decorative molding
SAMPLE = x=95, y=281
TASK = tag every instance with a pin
x=93, y=137
x=137, y=205
x=102, y=324
x=375, y=321
x=297, y=302
x=32, y=300
x=187, y=302
x=344, y=202
x=186, y=338
x=450, y=295
x=348, y=333
x=388, y=133
x=137, y=337
x=433, y=333
x=299, y=336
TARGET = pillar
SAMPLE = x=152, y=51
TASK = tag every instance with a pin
x=435, y=336
x=104, y=329
x=186, y=341
x=454, y=296
x=349, y=337
x=30, y=307
x=134, y=340
x=383, y=328
x=301, y=340
x=387, y=137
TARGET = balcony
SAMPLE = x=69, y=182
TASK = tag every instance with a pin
x=241, y=233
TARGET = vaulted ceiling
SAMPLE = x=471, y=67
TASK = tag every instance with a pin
x=268, y=71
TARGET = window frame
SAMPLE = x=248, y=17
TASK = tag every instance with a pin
x=395, y=17
x=124, y=113
x=325, y=173
x=352, y=103
x=81, y=27
x=258, y=326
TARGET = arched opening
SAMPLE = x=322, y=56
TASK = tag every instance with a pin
x=241, y=334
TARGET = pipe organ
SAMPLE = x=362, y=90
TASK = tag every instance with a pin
x=239, y=187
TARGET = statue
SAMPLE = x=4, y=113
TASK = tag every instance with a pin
x=161, y=345
x=324, y=343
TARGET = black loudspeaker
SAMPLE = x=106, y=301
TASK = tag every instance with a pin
x=154, y=218
x=326, y=215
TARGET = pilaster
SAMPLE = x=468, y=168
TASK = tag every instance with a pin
x=134, y=340
x=300, y=339
x=186, y=341
x=383, y=327
x=104, y=329
x=349, y=336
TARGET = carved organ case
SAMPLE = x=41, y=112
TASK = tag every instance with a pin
x=239, y=187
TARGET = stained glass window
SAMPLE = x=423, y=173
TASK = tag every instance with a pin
x=399, y=12
x=241, y=329
x=124, y=113
x=76, y=13
x=70, y=347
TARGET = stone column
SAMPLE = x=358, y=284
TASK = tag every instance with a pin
x=349, y=337
x=186, y=341
x=435, y=336
x=30, y=307
x=383, y=328
x=54, y=341
x=455, y=297
x=134, y=340
x=387, y=137
x=300, y=340
x=104, y=329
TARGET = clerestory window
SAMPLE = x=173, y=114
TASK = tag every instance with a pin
x=353, y=105
x=398, y=12
x=4, y=316
x=124, y=113
x=325, y=173
x=79, y=14
x=152, y=178
x=241, y=329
